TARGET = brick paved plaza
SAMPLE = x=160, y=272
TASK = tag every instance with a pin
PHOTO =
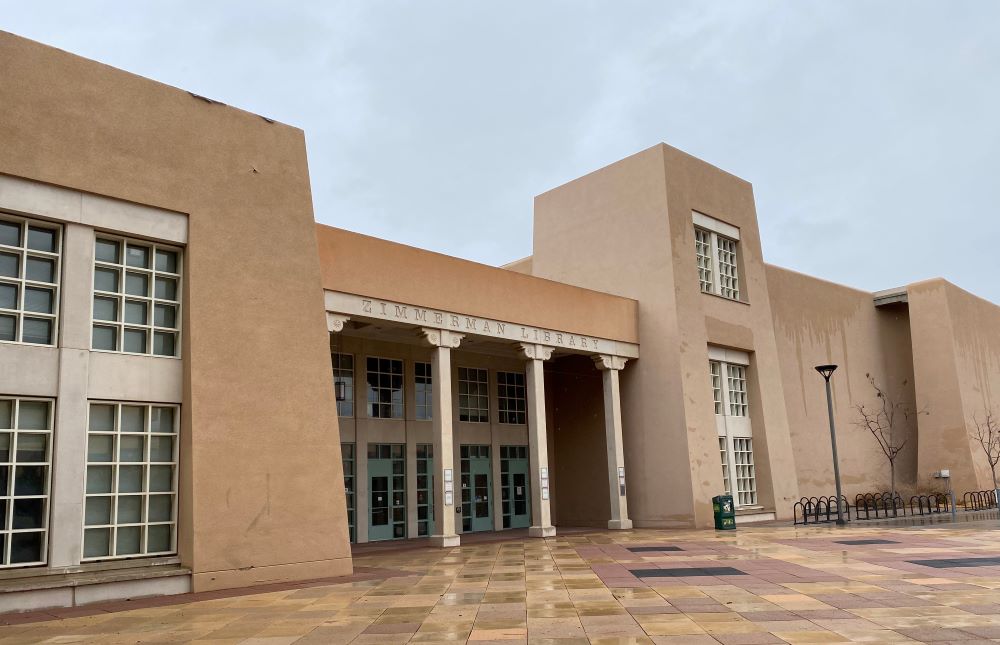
x=759, y=585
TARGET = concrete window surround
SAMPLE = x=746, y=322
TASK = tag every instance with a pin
x=30, y=257
x=729, y=372
x=717, y=254
x=72, y=375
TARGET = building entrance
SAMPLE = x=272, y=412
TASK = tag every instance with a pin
x=514, y=487
x=387, y=491
x=477, y=486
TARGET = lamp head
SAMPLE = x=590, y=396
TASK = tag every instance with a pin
x=826, y=370
x=340, y=388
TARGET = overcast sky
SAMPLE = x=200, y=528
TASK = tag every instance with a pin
x=869, y=130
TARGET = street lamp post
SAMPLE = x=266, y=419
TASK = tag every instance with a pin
x=827, y=371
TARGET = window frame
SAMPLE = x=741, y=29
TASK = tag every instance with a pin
x=733, y=429
x=146, y=493
x=12, y=464
x=719, y=272
x=423, y=391
x=348, y=401
x=21, y=282
x=510, y=394
x=482, y=415
x=121, y=296
x=397, y=410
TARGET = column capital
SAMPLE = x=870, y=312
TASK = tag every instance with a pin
x=531, y=351
x=441, y=337
x=609, y=362
x=335, y=322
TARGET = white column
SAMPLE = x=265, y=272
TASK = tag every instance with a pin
x=445, y=478
x=610, y=366
x=538, y=451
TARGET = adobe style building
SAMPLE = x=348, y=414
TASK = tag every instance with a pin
x=201, y=388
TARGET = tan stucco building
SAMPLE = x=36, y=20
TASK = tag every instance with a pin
x=201, y=388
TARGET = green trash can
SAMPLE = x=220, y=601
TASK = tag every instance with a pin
x=725, y=512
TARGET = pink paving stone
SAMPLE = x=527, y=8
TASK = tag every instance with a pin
x=752, y=638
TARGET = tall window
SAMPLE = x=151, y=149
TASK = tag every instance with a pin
x=385, y=388
x=136, y=297
x=425, y=488
x=25, y=455
x=729, y=281
x=729, y=390
x=473, y=395
x=511, y=397
x=716, y=247
x=423, y=390
x=737, y=381
x=343, y=372
x=716, y=370
x=703, y=252
x=131, y=489
x=746, y=479
x=347, y=459
x=29, y=280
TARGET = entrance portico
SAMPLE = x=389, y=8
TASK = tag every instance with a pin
x=469, y=394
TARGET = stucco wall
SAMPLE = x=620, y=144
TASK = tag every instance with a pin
x=816, y=323
x=956, y=357
x=260, y=463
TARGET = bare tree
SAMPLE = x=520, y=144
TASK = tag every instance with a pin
x=886, y=420
x=987, y=432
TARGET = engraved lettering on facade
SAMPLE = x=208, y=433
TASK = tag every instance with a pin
x=420, y=314
x=454, y=321
x=438, y=318
x=400, y=312
x=559, y=339
x=486, y=327
x=366, y=306
x=583, y=343
x=470, y=323
x=500, y=328
x=571, y=341
x=524, y=333
x=382, y=304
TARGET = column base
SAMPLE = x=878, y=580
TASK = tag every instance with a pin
x=619, y=525
x=445, y=541
x=542, y=531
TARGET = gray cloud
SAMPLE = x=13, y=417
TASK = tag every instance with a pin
x=869, y=130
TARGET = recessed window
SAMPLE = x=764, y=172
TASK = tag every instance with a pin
x=136, y=306
x=423, y=390
x=385, y=388
x=29, y=280
x=729, y=393
x=746, y=478
x=131, y=484
x=716, y=371
x=473, y=395
x=343, y=377
x=724, y=455
x=737, y=381
x=511, y=397
x=25, y=456
x=716, y=245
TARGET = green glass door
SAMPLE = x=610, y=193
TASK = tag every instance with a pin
x=425, y=489
x=514, y=487
x=477, y=502
x=386, y=491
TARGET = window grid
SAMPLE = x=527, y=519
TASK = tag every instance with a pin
x=703, y=252
x=737, y=382
x=423, y=391
x=746, y=480
x=425, y=488
x=729, y=282
x=385, y=388
x=724, y=455
x=347, y=459
x=343, y=372
x=473, y=395
x=512, y=398
x=25, y=458
x=30, y=261
x=131, y=489
x=136, y=305
x=716, y=370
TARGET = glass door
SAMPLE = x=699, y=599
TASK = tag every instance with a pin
x=425, y=489
x=514, y=487
x=387, y=491
x=477, y=503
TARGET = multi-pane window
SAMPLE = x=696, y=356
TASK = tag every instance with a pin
x=724, y=455
x=25, y=456
x=703, y=253
x=716, y=370
x=29, y=280
x=347, y=459
x=131, y=487
x=343, y=378
x=425, y=488
x=511, y=397
x=473, y=395
x=423, y=390
x=136, y=297
x=729, y=281
x=737, y=382
x=746, y=480
x=385, y=388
